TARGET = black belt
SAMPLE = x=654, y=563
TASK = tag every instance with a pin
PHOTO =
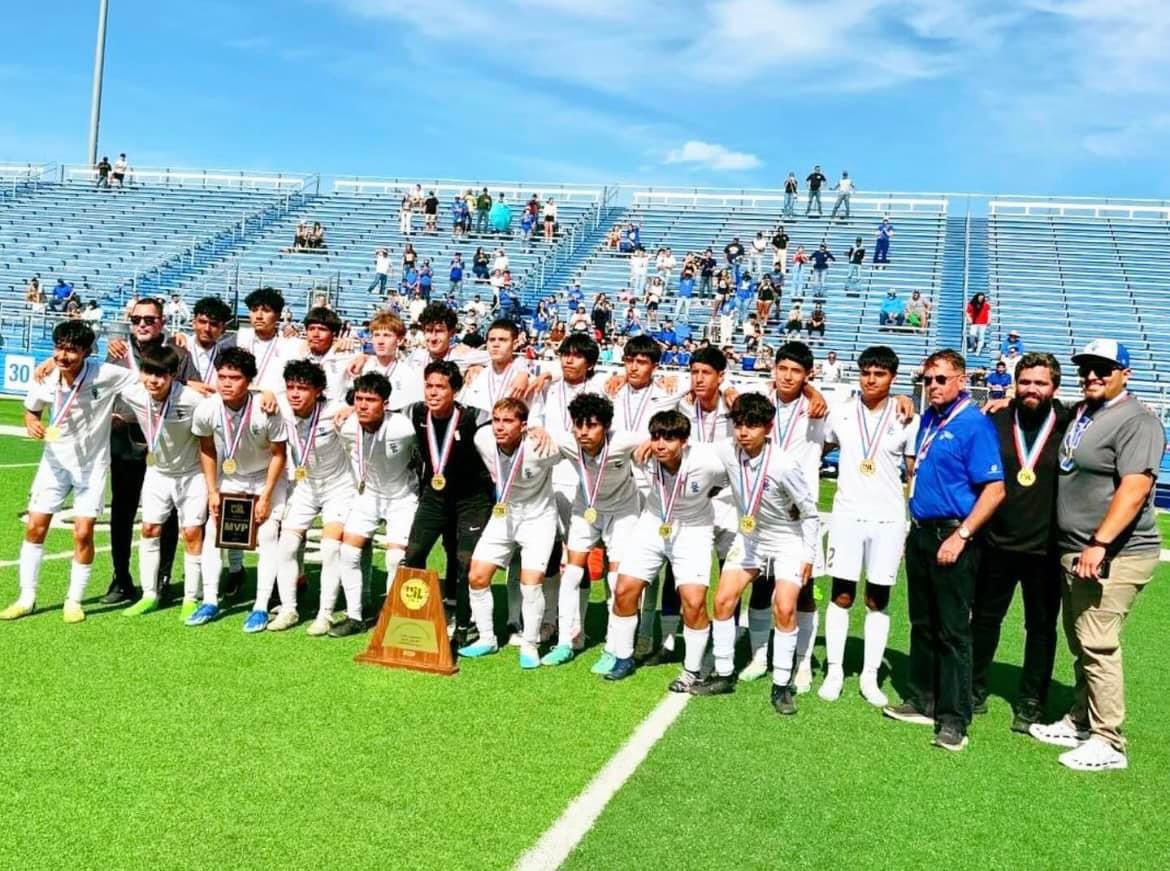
x=940, y=523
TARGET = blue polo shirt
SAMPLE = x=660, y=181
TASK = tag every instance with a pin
x=998, y=384
x=962, y=458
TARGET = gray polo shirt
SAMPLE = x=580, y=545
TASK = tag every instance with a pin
x=1124, y=439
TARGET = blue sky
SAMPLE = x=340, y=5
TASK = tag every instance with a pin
x=1042, y=96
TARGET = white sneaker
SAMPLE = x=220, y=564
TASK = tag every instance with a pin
x=803, y=681
x=1094, y=755
x=320, y=625
x=1062, y=733
x=758, y=667
x=871, y=692
x=830, y=689
x=286, y=619
x=516, y=639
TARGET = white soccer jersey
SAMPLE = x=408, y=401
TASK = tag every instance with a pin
x=702, y=471
x=632, y=409
x=490, y=386
x=617, y=491
x=708, y=426
x=254, y=449
x=337, y=378
x=176, y=452
x=405, y=381
x=552, y=411
x=84, y=440
x=460, y=355
x=879, y=495
x=271, y=355
x=203, y=359
x=385, y=454
x=328, y=457
x=531, y=494
x=799, y=435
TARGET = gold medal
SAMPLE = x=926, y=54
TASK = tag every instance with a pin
x=438, y=482
x=301, y=473
x=52, y=433
x=868, y=467
x=590, y=514
x=664, y=530
x=1025, y=477
x=151, y=459
x=747, y=524
x=500, y=509
x=230, y=466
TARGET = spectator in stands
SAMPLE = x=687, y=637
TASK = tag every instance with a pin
x=459, y=217
x=844, y=192
x=652, y=323
x=416, y=198
x=747, y=361
x=751, y=328
x=301, y=237
x=417, y=304
x=550, y=220
x=73, y=307
x=527, y=225
x=820, y=259
x=634, y=236
x=409, y=257
x=34, y=297
x=455, y=274
x=500, y=262
x=431, y=213
x=479, y=264
x=426, y=279
x=409, y=283
x=780, y=251
x=92, y=314
x=655, y=290
x=707, y=264
x=541, y=319
x=816, y=321
x=119, y=170
x=734, y=252
x=556, y=333
x=667, y=334
x=723, y=288
x=602, y=314
x=103, y=171
x=893, y=310
x=321, y=300
x=856, y=257
x=381, y=271
x=759, y=247
x=765, y=299
x=664, y=265
x=406, y=215
x=829, y=371
x=1012, y=360
x=483, y=208
x=917, y=311
x=639, y=261
x=176, y=312
x=999, y=382
x=795, y=322
x=978, y=318
x=799, y=259
x=815, y=179
x=500, y=216
x=1012, y=342
x=745, y=295
x=791, y=187
x=63, y=293
x=632, y=326
x=881, y=248
x=686, y=292
x=579, y=321
x=613, y=239
x=317, y=237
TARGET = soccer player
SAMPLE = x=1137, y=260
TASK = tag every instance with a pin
x=321, y=328
x=263, y=341
x=522, y=520
x=381, y=447
x=174, y=482
x=242, y=451
x=387, y=333
x=211, y=317
x=868, y=526
x=676, y=526
x=778, y=523
x=439, y=322
x=76, y=459
x=321, y=486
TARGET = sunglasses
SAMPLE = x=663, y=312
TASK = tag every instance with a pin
x=940, y=380
x=149, y=320
x=1102, y=369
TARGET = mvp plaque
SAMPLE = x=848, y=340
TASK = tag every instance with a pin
x=237, y=521
x=412, y=628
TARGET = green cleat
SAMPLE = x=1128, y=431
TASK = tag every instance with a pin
x=604, y=664
x=189, y=607
x=143, y=606
x=559, y=655
x=17, y=610
x=72, y=612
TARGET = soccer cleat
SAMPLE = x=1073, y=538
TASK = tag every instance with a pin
x=684, y=682
x=119, y=593
x=205, y=613
x=643, y=647
x=478, y=649
x=715, y=685
x=529, y=656
x=234, y=584
x=757, y=668
x=345, y=628
x=1027, y=714
x=979, y=706
x=831, y=687
x=1094, y=755
x=949, y=739
x=907, y=712
x=803, y=681
x=189, y=607
x=73, y=612
x=662, y=656
x=286, y=619
x=1062, y=733
x=622, y=668
x=320, y=626
x=143, y=606
x=783, y=700
x=871, y=692
x=257, y=621
x=515, y=635
x=17, y=610
x=604, y=664
x=559, y=655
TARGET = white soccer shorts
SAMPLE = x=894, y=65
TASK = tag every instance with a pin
x=688, y=549
x=535, y=536
x=53, y=483
x=613, y=530
x=186, y=495
x=783, y=549
x=332, y=502
x=370, y=509
x=856, y=543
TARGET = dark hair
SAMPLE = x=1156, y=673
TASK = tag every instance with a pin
x=149, y=300
x=947, y=355
x=878, y=357
x=511, y=403
x=265, y=297
x=504, y=324
x=305, y=372
x=370, y=382
x=1036, y=358
x=752, y=409
x=709, y=356
x=591, y=406
x=798, y=352
x=159, y=360
x=448, y=370
x=438, y=313
x=642, y=346
x=580, y=343
x=214, y=308
x=670, y=424
x=239, y=359
x=74, y=334
x=325, y=317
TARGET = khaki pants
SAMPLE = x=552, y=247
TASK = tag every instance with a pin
x=1094, y=614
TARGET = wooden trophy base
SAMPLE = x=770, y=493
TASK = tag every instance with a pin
x=412, y=626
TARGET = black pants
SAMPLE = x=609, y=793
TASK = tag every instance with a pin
x=461, y=521
x=939, y=599
x=1039, y=579
x=125, y=492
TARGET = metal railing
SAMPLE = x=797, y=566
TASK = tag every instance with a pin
x=515, y=191
x=859, y=200
x=201, y=178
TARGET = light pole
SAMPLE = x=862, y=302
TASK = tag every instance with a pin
x=99, y=62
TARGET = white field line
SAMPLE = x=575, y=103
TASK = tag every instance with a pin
x=18, y=465
x=566, y=833
x=9, y=429
x=65, y=554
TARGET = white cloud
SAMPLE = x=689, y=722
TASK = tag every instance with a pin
x=712, y=156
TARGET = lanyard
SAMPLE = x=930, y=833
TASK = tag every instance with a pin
x=932, y=433
x=799, y=409
x=303, y=448
x=154, y=427
x=1076, y=432
x=231, y=441
x=591, y=490
x=362, y=455
x=439, y=457
x=634, y=421
x=497, y=385
x=680, y=482
x=61, y=409
x=268, y=352
x=869, y=443
x=1030, y=455
x=504, y=486
x=706, y=433
x=752, y=491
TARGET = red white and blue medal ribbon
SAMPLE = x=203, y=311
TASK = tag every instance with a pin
x=591, y=490
x=262, y=364
x=504, y=485
x=362, y=455
x=231, y=440
x=666, y=509
x=209, y=372
x=788, y=435
x=634, y=421
x=706, y=433
x=303, y=448
x=870, y=443
x=496, y=385
x=61, y=409
x=439, y=457
x=752, y=491
x=932, y=433
x=1028, y=456
x=154, y=426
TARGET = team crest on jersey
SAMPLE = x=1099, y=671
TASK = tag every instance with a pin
x=393, y=447
x=694, y=487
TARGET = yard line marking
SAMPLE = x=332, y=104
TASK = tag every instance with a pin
x=65, y=554
x=566, y=833
x=9, y=429
x=1165, y=555
x=18, y=465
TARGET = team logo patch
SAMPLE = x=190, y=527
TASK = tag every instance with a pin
x=694, y=486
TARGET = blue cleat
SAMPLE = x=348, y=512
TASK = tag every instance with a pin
x=203, y=614
x=559, y=655
x=622, y=669
x=479, y=649
x=257, y=622
x=604, y=665
x=529, y=657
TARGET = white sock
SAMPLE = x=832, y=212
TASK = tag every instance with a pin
x=212, y=561
x=78, y=580
x=783, y=649
x=31, y=557
x=515, y=611
x=877, y=633
x=532, y=610
x=481, y=613
x=611, y=591
x=621, y=635
x=236, y=560
x=723, y=645
x=552, y=598
x=192, y=575
x=394, y=558
x=759, y=628
x=806, y=634
x=669, y=630
x=836, y=631
x=286, y=570
x=649, y=609
x=568, y=616
x=266, y=566
x=330, y=575
x=350, y=566
x=696, y=645
x=148, y=559
x=583, y=594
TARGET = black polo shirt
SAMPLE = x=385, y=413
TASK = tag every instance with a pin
x=467, y=476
